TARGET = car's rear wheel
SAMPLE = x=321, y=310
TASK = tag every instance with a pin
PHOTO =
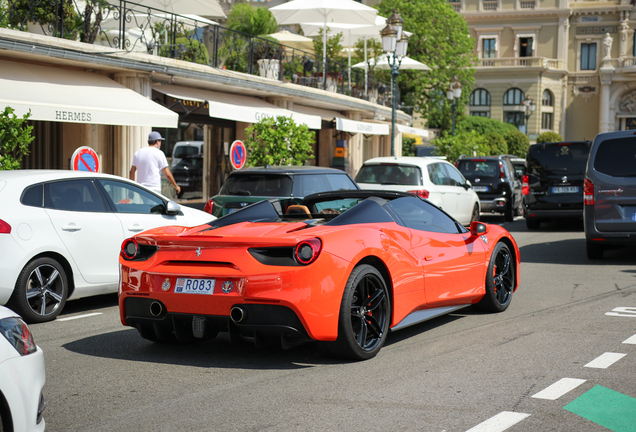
x=365, y=315
x=475, y=214
x=509, y=213
x=532, y=224
x=41, y=291
x=500, y=280
x=594, y=250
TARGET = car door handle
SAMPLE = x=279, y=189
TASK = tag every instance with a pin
x=135, y=228
x=71, y=227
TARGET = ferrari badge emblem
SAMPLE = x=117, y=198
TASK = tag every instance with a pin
x=227, y=286
x=198, y=252
x=166, y=285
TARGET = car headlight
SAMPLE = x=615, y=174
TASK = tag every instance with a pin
x=17, y=333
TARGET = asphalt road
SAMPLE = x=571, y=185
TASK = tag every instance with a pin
x=465, y=371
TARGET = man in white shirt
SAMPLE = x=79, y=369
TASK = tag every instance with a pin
x=148, y=162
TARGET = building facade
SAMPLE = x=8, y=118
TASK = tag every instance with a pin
x=574, y=61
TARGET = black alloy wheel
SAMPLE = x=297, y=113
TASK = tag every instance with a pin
x=365, y=315
x=500, y=280
x=41, y=291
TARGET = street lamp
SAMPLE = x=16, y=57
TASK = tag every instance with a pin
x=394, y=44
x=528, y=108
x=454, y=93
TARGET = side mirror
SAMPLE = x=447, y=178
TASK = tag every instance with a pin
x=478, y=228
x=468, y=185
x=173, y=208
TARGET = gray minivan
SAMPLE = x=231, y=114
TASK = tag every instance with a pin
x=610, y=193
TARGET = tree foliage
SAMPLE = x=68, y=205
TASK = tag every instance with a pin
x=550, y=136
x=462, y=144
x=483, y=125
x=441, y=41
x=252, y=20
x=15, y=137
x=334, y=45
x=278, y=141
x=518, y=143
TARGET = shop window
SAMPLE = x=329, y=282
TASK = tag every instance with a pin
x=588, y=56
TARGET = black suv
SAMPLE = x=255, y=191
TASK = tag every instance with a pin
x=496, y=182
x=553, y=183
x=290, y=184
x=610, y=193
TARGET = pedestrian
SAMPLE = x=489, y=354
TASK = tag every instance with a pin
x=149, y=162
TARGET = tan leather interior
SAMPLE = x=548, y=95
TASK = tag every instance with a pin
x=297, y=209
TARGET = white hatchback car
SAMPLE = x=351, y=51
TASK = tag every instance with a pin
x=428, y=177
x=22, y=376
x=61, y=233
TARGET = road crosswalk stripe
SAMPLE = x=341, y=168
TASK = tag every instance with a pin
x=631, y=340
x=500, y=422
x=605, y=360
x=79, y=316
x=559, y=388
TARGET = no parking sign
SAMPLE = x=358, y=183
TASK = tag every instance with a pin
x=85, y=159
x=238, y=154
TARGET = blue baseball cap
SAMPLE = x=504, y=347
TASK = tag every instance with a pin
x=154, y=136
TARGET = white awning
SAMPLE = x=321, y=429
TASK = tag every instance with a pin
x=355, y=127
x=237, y=107
x=64, y=95
x=323, y=113
x=407, y=130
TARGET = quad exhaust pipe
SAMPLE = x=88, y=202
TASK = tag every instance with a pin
x=238, y=314
x=156, y=309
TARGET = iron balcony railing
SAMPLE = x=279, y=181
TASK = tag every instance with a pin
x=132, y=27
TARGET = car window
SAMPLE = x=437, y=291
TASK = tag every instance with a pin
x=73, y=195
x=454, y=176
x=390, y=174
x=472, y=168
x=422, y=215
x=307, y=184
x=270, y=185
x=128, y=198
x=437, y=174
x=185, y=151
x=616, y=157
x=566, y=158
x=33, y=196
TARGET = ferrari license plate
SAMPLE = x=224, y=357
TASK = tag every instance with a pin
x=480, y=188
x=194, y=286
x=565, y=189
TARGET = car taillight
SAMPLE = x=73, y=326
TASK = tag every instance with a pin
x=423, y=193
x=588, y=192
x=501, y=170
x=307, y=251
x=129, y=249
x=5, y=228
x=17, y=333
x=209, y=206
x=525, y=185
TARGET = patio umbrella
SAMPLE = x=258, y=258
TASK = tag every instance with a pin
x=294, y=40
x=207, y=8
x=382, y=62
x=325, y=11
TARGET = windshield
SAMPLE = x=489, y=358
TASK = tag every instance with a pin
x=184, y=151
x=474, y=168
x=390, y=174
x=257, y=185
x=558, y=158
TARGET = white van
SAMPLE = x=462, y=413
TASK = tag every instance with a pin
x=185, y=149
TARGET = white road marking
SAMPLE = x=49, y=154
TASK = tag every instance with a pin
x=79, y=316
x=623, y=312
x=559, y=388
x=605, y=360
x=500, y=422
x=631, y=340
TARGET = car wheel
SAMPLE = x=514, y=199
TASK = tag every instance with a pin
x=594, y=250
x=509, y=214
x=532, y=224
x=500, y=281
x=519, y=209
x=365, y=315
x=475, y=214
x=41, y=290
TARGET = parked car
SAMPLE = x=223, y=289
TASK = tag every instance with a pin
x=432, y=178
x=22, y=376
x=518, y=163
x=610, y=193
x=183, y=149
x=553, y=183
x=349, y=268
x=188, y=174
x=60, y=233
x=496, y=182
x=290, y=184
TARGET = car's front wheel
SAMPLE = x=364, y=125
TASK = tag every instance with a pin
x=500, y=280
x=365, y=315
x=41, y=291
x=474, y=216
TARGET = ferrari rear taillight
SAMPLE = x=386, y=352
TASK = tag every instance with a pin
x=525, y=185
x=307, y=251
x=5, y=228
x=209, y=206
x=129, y=249
x=588, y=192
x=422, y=193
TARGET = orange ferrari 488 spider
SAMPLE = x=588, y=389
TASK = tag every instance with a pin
x=343, y=268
